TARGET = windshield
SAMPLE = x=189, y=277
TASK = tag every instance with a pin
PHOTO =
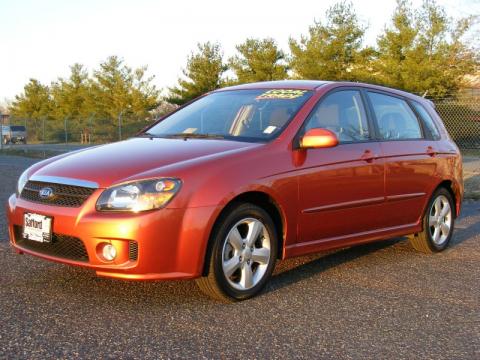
x=17, y=128
x=244, y=115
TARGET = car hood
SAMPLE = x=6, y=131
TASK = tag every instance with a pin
x=117, y=162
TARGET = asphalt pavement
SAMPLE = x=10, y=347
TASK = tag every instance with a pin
x=376, y=301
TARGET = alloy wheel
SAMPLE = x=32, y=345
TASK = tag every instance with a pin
x=440, y=220
x=246, y=254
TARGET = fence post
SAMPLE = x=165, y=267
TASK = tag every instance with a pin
x=90, y=126
x=66, y=136
x=1, y=134
x=120, y=126
x=43, y=129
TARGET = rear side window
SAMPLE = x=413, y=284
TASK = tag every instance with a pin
x=395, y=119
x=342, y=113
x=427, y=120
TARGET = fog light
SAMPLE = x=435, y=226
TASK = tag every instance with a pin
x=109, y=252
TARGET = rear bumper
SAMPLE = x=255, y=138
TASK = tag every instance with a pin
x=171, y=242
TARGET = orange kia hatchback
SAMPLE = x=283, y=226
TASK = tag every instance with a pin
x=225, y=186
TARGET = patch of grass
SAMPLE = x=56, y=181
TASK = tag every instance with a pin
x=471, y=152
x=472, y=185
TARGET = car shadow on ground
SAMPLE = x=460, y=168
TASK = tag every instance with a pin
x=298, y=269
x=290, y=271
x=465, y=226
x=70, y=281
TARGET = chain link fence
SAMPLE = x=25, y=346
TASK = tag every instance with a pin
x=461, y=117
x=79, y=131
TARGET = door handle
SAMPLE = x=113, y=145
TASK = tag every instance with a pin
x=431, y=151
x=368, y=156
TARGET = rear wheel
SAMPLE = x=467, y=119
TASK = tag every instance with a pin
x=438, y=223
x=243, y=254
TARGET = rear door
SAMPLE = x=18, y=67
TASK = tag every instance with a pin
x=341, y=189
x=410, y=162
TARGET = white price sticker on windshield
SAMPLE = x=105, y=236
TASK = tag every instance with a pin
x=189, y=130
x=269, y=129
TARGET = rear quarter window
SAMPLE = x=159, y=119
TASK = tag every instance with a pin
x=427, y=120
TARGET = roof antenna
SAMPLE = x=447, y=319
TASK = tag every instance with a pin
x=425, y=93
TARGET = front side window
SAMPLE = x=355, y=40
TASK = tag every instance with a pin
x=342, y=113
x=395, y=119
x=243, y=115
x=427, y=120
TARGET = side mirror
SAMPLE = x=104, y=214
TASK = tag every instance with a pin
x=318, y=138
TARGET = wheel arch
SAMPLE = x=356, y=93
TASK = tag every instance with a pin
x=260, y=199
x=454, y=191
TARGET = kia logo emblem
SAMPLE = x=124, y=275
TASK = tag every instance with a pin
x=46, y=193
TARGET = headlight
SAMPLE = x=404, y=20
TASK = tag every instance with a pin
x=139, y=195
x=22, y=181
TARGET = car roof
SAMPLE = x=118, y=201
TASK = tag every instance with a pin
x=280, y=84
x=388, y=90
x=316, y=84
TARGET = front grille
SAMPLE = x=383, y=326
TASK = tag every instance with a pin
x=133, y=250
x=61, y=246
x=63, y=195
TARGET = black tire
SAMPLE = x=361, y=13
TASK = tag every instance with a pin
x=216, y=283
x=424, y=241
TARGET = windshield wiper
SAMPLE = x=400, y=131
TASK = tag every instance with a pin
x=194, y=136
x=147, y=134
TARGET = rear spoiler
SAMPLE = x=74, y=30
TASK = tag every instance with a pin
x=432, y=104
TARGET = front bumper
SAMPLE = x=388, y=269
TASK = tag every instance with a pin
x=171, y=242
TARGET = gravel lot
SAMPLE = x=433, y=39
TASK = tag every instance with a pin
x=379, y=301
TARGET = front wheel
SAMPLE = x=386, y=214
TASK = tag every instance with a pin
x=243, y=254
x=438, y=223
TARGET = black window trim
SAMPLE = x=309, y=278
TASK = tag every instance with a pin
x=372, y=132
x=422, y=121
x=374, y=118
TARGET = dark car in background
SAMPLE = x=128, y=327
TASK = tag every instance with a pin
x=12, y=134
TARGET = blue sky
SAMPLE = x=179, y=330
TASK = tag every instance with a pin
x=41, y=39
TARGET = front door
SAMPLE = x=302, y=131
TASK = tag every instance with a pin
x=341, y=189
